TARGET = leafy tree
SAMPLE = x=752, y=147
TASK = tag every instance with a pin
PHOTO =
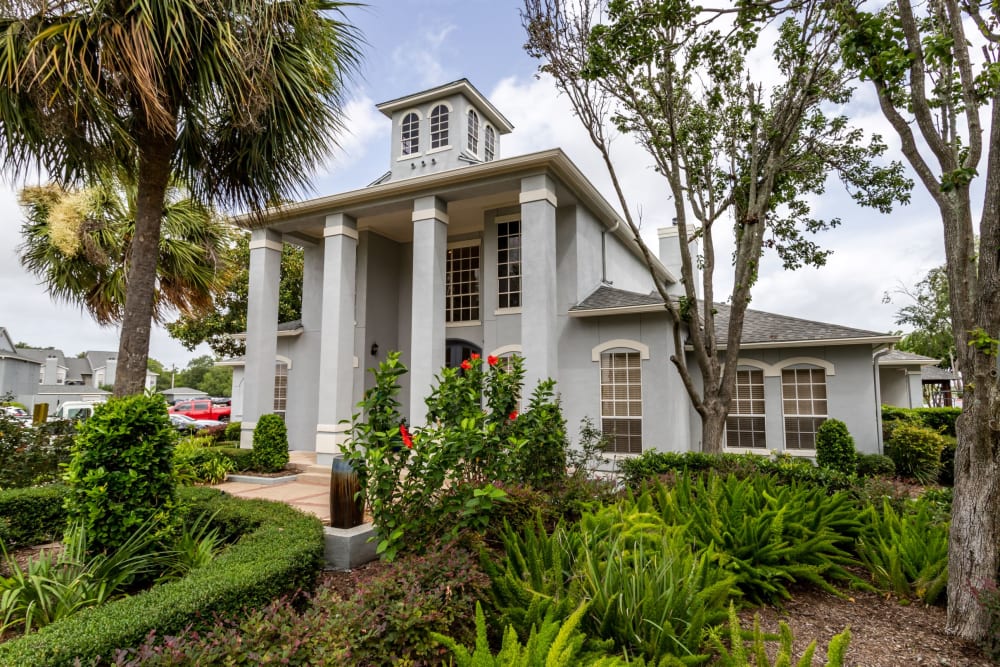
x=195, y=372
x=230, y=313
x=934, y=80
x=217, y=381
x=930, y=317
x=240, y=99
x=77, y=242
x=733, y=152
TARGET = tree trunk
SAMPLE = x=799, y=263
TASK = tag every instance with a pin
x=713, y=426
x=143, y=256
x=974, y=546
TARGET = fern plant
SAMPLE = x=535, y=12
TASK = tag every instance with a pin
x=768, y=535
x=735, y=653
x=906, y=553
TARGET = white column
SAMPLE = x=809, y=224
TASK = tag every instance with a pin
x=336, y=360
x=538, y=280
x=430, y=248
x=262, y=328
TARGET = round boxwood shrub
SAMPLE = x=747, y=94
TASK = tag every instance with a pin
x=121, y=470
x=270, y=444
x=916, y=451
x=835, y=447
x=875, y=465
x=232, y=432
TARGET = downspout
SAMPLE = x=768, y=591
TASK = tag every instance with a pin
x=604, y=252
x=886, y=349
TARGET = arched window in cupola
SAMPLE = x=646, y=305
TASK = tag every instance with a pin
x=439, y=126
x=410, y=134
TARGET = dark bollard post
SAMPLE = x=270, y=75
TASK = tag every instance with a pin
x=345, y=511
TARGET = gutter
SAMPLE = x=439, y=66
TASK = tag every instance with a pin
x=881, y=351
x=604, y=251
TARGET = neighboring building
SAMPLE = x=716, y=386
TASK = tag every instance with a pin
x=912, y=381
x=18, y=373
x=57, y=378
x=456, y=250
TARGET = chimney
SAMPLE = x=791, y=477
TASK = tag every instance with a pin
x=50, y=374
x=110, y=368
x=670, y=255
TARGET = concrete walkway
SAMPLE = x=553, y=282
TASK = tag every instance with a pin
x=310, y=492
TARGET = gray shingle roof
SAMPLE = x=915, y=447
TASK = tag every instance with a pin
x=758, y=326
x=936, y=374
x=908, y=358
x=605, y=297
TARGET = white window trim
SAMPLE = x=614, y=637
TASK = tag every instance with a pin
x=496, y=142
x=804, y=361
x=507, y=311
x=468, y=131
x=498, y=220
x=507, y=217
x=430, y=119
x=620, y=343
x=420, y=123
x=466, y=244
x=503, y=350
x=798, y=361
x=463, y=323
x=284, y=360
x=746, y=365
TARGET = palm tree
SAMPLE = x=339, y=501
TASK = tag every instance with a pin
x=76, y=241
x=239, y=99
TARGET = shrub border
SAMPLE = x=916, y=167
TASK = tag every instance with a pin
x=31, y=516
x=280, y=552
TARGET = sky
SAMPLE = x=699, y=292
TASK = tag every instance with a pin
x=412, y=45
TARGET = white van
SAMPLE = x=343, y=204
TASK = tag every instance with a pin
x=77, y=410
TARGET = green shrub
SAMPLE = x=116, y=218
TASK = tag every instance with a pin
x=989, y=597
x=195, y=462
x=946, y=475
x=31, y=456
x=32, y=516
x=875, y=465
x=391, y=616
x=916, y=451
x=121, y=471
x=906, y=553
x=835, y=447
x=941, y=420
x=270, y=444
x=447, y=478
x=242, y=458
x=280, y=551
x=232, y=432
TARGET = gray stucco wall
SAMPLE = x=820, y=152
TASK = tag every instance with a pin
x=18, y=377
x=850, y=391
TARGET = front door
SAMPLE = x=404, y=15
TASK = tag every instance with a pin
x=456, y=351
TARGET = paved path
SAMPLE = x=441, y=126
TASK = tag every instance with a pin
x=310, y=493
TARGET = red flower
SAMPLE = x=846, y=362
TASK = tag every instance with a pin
x=407, y=440
x=474, y=356
x=491, y=360
x=513, y=415
x=466, y=366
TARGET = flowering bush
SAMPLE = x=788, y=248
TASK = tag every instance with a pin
x=442, y=479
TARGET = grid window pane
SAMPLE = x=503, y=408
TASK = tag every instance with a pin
x=280, y=388
x=411, y=134
x=439, y=126
x=489, y=144
x=745, y=423
x=462, y=284
x=803, y=392
x=509, y=264
x=621, y=401
x=473, y=132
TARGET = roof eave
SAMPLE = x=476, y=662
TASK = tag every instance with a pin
x=620, y=310
x=816, y=342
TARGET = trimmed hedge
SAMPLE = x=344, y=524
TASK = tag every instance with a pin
x=637, y=470
x=280, y=551
x=941, y=420
x=242, y=458
x=32, y=516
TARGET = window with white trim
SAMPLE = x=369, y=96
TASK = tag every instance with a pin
x=803, y=401
x=410, y=134
x=439, y=126
x=462, y=283
x=745, y=425
x=473, y=137
x=509, y=263
x=489, y=143
x=280, y=388
x=621, y=401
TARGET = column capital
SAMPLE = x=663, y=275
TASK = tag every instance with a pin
x=262, y=237
x=430, y=208
x=540, y=187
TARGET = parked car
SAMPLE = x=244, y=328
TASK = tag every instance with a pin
x=186, y=424
x=20, y=414
x=202, y=408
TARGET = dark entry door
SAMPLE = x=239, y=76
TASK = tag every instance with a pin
x=456, y=350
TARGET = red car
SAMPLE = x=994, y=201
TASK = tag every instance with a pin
x=202, y=408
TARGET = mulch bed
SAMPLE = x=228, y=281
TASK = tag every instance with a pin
x=884, y=633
